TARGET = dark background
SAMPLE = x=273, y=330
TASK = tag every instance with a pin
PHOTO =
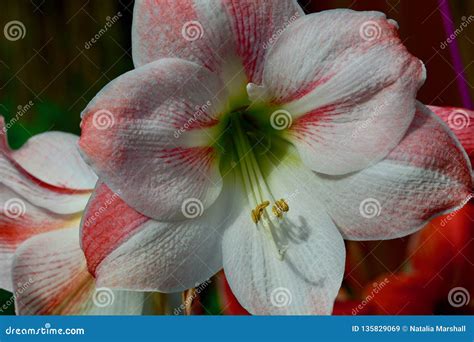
x=52, y=68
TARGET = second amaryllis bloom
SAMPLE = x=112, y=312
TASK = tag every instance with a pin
x=257, y=150
x=44, y=187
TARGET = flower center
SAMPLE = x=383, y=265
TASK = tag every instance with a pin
x=250, y=146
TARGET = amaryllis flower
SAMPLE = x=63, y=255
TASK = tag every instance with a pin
x=44, y=187
x=254, y=138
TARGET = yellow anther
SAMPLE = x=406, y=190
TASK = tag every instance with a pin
x=277, y=212
x=280, y=207
x=258, y=211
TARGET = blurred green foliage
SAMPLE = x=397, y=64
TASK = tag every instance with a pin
x=52, y=65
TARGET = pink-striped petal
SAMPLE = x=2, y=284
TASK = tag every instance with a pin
x=50, y=278
x=146, y=135
x=426, y=175
x=347, y=84
x=127, y=250
x=230, y=37
x=57, y=200
x=16, y=178
x=54, y=158
x=29, y=206
x=20, y=220
x=461, y=122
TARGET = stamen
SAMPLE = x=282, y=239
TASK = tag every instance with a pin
x=258, y=192
x=258, y=211
x=280, y=207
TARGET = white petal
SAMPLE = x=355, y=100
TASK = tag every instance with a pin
x=50, y=277
x=308, y=278
x=36, y=191
x=213, y=33
x=54, y=158
x=426, y=175
x=129, y=251
x=20, y=220
x=146, y=136
x=350, y=97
